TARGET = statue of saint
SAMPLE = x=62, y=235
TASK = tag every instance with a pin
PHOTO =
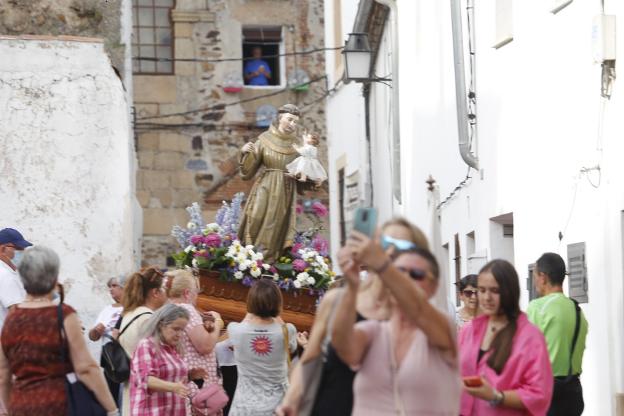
x=269, y=217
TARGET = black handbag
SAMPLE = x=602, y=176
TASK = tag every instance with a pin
x=115, y=361
x=80, y=400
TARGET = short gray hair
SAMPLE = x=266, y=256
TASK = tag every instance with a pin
x=39, y=270
x=162, y=317
x=119, y=279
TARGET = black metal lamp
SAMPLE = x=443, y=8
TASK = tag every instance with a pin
x=358, y=54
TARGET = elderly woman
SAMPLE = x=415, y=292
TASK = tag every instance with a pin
x=262, y=347
x=503, y=352
x=144, y=293
x=31, y=346
x=467, y=288
x=201, y=333
x=158, y=376
x=335, y=390
x=105, y=324
x=408, y=364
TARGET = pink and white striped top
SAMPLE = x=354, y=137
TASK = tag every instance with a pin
x=162, y=362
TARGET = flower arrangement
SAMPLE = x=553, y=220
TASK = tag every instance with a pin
x=215, y=246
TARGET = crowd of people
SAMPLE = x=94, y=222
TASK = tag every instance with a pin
x=383, y=347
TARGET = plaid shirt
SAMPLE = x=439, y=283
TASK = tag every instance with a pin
x=164, y=363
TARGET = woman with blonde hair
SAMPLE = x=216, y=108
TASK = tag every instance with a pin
x=201, y=333
x=335, y=394
x=143, y=294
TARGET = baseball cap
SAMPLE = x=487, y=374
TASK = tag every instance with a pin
x=12, y=236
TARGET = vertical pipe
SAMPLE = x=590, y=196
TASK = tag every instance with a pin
x=460, y=86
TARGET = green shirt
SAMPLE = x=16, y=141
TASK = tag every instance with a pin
x=555, y=316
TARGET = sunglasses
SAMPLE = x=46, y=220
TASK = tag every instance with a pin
x=400, y=245
x=469, y=293
x=416, y=274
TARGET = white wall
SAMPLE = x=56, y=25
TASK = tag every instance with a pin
x=65, y=167
x=538, y=116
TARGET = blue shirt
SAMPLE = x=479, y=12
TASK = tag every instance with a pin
x=253, y=66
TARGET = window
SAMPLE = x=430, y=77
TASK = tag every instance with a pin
x=261, y=48
x=577, y=268
x=152, y=36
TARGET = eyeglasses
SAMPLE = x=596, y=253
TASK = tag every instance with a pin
x=400, y=245
x=469, y=293
x=416, y=274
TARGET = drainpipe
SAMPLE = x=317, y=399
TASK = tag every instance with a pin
x=460, y=87
x=396, y=126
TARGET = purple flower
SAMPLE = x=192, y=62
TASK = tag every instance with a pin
x=299, y=208
x=320, y=209
x=196, y=239
x=212, y=240
x=295, y=249
x=299, y=265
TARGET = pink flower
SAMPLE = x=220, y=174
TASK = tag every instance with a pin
x=299, y=265
x=273, y=269
x=320, y=244
x=212, y=240
x=320, y=209
x=196, y=239
x=299, y=208
x=295, y=249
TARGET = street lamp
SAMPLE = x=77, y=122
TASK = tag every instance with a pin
x=357, y=53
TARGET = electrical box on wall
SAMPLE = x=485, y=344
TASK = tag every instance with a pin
x=603, y=38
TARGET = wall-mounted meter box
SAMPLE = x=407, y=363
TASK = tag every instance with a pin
x=603, y=38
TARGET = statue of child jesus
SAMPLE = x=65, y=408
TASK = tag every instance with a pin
x=307, y=165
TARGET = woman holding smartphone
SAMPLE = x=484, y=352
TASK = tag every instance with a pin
x=504, y=360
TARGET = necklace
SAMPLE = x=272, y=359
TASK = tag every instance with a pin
x=43, y=299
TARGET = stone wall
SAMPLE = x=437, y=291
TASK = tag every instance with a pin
x=191, y=157
x=87, y=18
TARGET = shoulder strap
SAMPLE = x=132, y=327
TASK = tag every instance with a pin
x=330, y=324
x=286, y=344
x=130, y=323
x=59, y=313
x=577, y=326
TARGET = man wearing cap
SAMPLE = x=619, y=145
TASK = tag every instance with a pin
x=565, y=329
x=12, y=245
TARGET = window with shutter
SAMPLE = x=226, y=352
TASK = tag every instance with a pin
x=577, y=269
x=531, y=284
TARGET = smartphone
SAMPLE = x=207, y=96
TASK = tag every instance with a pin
x=365, y=221
x=473, y=381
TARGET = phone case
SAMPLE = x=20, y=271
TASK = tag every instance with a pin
x=365, y=221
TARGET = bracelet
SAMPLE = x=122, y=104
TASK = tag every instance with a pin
x=383, y=267
x=113, y=413
x=499, y=397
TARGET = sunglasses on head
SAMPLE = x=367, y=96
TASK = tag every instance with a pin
x=400, y=245
x=416, y=274
x=469, y=293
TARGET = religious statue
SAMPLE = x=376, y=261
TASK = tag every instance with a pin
x=269, y=217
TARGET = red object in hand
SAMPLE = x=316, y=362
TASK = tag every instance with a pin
x=473, y=381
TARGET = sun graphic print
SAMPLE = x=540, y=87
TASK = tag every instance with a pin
x=261, y=345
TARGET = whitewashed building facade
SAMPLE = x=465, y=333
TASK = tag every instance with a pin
x=547, y=145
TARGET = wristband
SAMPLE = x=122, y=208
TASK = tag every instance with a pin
x=383, y=267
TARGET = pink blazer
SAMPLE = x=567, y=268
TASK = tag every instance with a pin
x=527, y=369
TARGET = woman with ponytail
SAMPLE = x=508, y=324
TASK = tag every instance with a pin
x=145, y=292
x=504, y=360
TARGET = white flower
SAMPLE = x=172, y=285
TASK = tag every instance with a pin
x=189, y=248
x=244, y=265
x=311, y=280
x=249, y=247
x=303, y=276
x=257, y=256
x=238, y=275
x=241, y=258
x=297, y=284
x=191, y=225
x=194, y=263
x=266, y=266
x=255, y=271
x=275, y=276
x=320, y=259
